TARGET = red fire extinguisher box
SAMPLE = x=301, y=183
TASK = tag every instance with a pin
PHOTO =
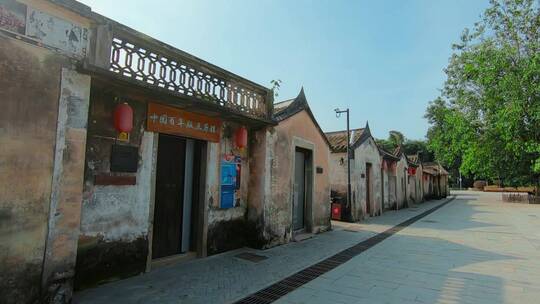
x=336, y=211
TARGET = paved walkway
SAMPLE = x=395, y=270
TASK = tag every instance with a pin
x=225, y=278
x=475, y=249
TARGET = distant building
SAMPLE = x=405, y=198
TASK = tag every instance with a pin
x=414, y=179
x=402, y=177
x=389, y=168
x=366, y=172
x=435, y=180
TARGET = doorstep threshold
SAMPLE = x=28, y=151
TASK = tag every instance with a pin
x=173, y=260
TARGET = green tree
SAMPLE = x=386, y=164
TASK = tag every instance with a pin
x=487, y=120
x=410, y=147
x=396, y=138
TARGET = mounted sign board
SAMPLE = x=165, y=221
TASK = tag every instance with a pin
x=124, y=158
x=169, y=120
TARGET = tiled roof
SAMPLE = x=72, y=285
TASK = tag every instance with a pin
x=387, y=155
x=280, y=106
x=434, y=167
x=338, y=139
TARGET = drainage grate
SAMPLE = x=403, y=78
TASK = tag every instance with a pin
x=429, y=221
x=252, y=257
x=289, y=284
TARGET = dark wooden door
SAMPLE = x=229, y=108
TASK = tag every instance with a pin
x=368, y=189
x=167, y=231
x=299, y=190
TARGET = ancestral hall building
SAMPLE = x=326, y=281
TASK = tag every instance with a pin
x=119, y=152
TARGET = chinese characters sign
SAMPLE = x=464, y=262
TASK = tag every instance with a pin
x=164, y=119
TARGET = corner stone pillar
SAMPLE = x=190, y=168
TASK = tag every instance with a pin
x=67, y=188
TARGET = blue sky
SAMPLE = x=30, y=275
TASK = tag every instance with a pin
x=383, y=59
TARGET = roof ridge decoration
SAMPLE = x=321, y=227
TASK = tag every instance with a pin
x=298, y=104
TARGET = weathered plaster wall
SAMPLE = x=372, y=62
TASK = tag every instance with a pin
x=367, y=152
x=338, y=173
x=113, y=240
x=296, y=131
x=419, y=184
x=386, y=190
x=392, y=187
x=30, y=84
x=401, y=182
x=411, y=189
x=428, y=186
x=260, y=181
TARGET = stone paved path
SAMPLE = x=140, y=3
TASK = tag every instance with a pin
x=225, y=278
x=475, y=249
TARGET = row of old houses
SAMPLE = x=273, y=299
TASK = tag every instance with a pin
x=380, y=180
x=119, y=153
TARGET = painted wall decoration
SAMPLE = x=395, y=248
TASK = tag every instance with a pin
x=174, y=121
x=57, y=32
x=13, y=16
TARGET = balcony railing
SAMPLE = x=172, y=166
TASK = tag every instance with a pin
x=147, y=60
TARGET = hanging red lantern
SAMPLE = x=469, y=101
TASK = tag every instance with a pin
x=123, y=118
x=241, y=137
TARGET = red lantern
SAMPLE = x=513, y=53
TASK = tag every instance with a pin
x=241, y=137
x=123, y=118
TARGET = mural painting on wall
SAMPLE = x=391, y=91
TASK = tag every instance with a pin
x=13, y=16
x=174, y=121
x=57, y=32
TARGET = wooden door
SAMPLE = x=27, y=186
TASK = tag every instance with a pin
x=299, y=190
x=167, y=228
x=368, y=189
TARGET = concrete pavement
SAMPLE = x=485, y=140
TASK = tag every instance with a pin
x=474, y=250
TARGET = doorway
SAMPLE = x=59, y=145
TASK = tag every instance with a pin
x=302, y=189
x=368, y=189
x=177, y=193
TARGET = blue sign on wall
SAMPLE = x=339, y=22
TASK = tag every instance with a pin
x=228, y=184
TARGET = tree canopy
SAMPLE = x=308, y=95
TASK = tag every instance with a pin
x=486, y=122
